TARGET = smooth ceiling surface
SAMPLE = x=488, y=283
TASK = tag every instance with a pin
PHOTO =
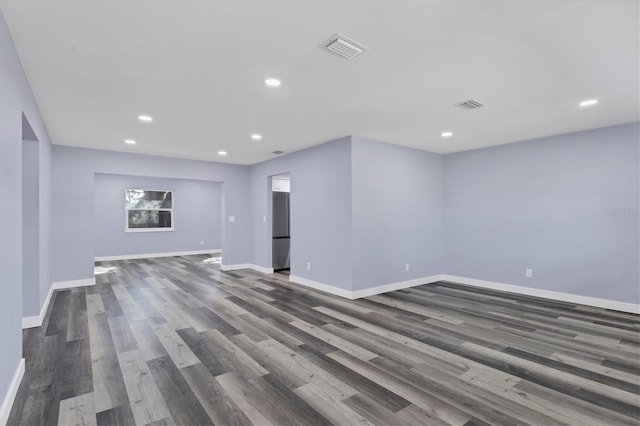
x=198, y=68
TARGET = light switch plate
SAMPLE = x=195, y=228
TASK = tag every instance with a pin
x=232, y=218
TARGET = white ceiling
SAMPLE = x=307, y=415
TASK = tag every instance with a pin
x=198, y=68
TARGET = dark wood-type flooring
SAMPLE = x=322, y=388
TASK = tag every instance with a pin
x=177, y=341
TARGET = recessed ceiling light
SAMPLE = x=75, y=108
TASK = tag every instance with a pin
x=272, y=82
x=446, y=134
x=129, y=141
x=145, y=118
x=588, y=102
x=256, y=137
x=222, y=153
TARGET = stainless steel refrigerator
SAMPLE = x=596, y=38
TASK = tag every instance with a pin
x=281, y=236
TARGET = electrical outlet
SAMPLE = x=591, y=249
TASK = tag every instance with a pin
x=264, y=219
x=406, y=267
x=308, y=266
x=232, y=219
x=201, y=243
x=528, y=273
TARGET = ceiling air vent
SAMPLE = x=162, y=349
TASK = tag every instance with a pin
x=278, y=152
x=344, y=47
x=470, y=104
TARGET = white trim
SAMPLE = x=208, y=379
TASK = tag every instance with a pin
x=9, y=398
x=395, y=286
x=262, y=269
x=547, y=294
x=150, y=255
x=156, y=229
x=59, y=285
x=36, y=320
x=367, y=291
x=322, y=287
x=237, y=266
x=150, y=229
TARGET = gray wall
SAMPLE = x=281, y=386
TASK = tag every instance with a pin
x=565, y=206
x=73, y=202
x=196, y=216
x=45, y=219
x=397, y=213
x=36, y=221
x=320, y=211
x=16, y=99
x=30, y=227
x=360, y=210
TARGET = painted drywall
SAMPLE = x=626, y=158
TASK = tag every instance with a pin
x=196, y=216
x=30, y=227
x=360, y=210
x=16, y=99
x=45, y=220
x=565, y=206
x=397, y=213
x=320, y=212
x=73, y=202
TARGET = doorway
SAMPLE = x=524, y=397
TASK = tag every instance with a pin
x=280, y=226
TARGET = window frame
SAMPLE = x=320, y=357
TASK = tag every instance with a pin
x=171, y=210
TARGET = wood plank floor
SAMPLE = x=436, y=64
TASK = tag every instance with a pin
x=177, y=341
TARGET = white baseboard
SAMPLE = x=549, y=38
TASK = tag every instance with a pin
x=36, y=320
x=237, y=266
x=234, y=267
x=9, y=398
x=547, y=294
x=262, y=269
x=150, y=255
x=395, y=286
x=60, y=285
x=322, y=287
x=365, y=292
